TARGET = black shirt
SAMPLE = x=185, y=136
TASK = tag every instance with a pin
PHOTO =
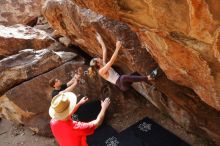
x=55, y=92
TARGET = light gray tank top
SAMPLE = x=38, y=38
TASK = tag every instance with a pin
x=113, y=76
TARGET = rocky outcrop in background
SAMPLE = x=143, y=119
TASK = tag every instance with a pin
x=18, y=37
x=28, y=64
x=181, y=37
x=19, y=12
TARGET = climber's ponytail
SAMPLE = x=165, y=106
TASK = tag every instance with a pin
x=92, y=71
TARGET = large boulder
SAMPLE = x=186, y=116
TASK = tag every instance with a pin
x=185, y=51
x=19, y=37
x=19, y=12
x=28, y=64
x=179, y=35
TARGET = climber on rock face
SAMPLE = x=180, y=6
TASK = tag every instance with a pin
x=106, y=71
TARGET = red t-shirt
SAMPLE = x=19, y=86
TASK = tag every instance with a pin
x=71, y=133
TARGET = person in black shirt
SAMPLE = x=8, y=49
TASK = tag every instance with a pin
x=87, y=111
x=60, y=87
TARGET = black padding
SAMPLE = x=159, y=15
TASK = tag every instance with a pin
x=88, y=111
x=143, y=133
x=102, y=136
x=152, y=134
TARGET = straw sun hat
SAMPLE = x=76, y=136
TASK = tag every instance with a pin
x=62, y=105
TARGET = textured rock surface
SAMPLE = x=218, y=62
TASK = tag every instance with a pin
x=195, y=18
x=19, y=37
x=42, y=24
x=19, y=12
x=179, y=35
x=28, y=64
x=182, y=36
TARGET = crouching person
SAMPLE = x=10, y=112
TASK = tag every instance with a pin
x=66, y=131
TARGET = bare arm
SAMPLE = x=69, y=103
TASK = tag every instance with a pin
x=76, y=76
x=71, y=82
x=98, y=121
x=71, y=87
x=104, y=50
x=104, y=69
x=81, y=102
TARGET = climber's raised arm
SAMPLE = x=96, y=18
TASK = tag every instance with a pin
x=107, y=66
x=104, y=50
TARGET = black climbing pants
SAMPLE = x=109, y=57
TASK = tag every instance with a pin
x=124, y=81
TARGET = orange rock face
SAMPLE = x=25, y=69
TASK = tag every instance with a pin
x=196, y=20
x=182, y=37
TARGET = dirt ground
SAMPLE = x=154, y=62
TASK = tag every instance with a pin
x=17, y=135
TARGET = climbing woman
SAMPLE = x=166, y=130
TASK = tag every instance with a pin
x=106, y=71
